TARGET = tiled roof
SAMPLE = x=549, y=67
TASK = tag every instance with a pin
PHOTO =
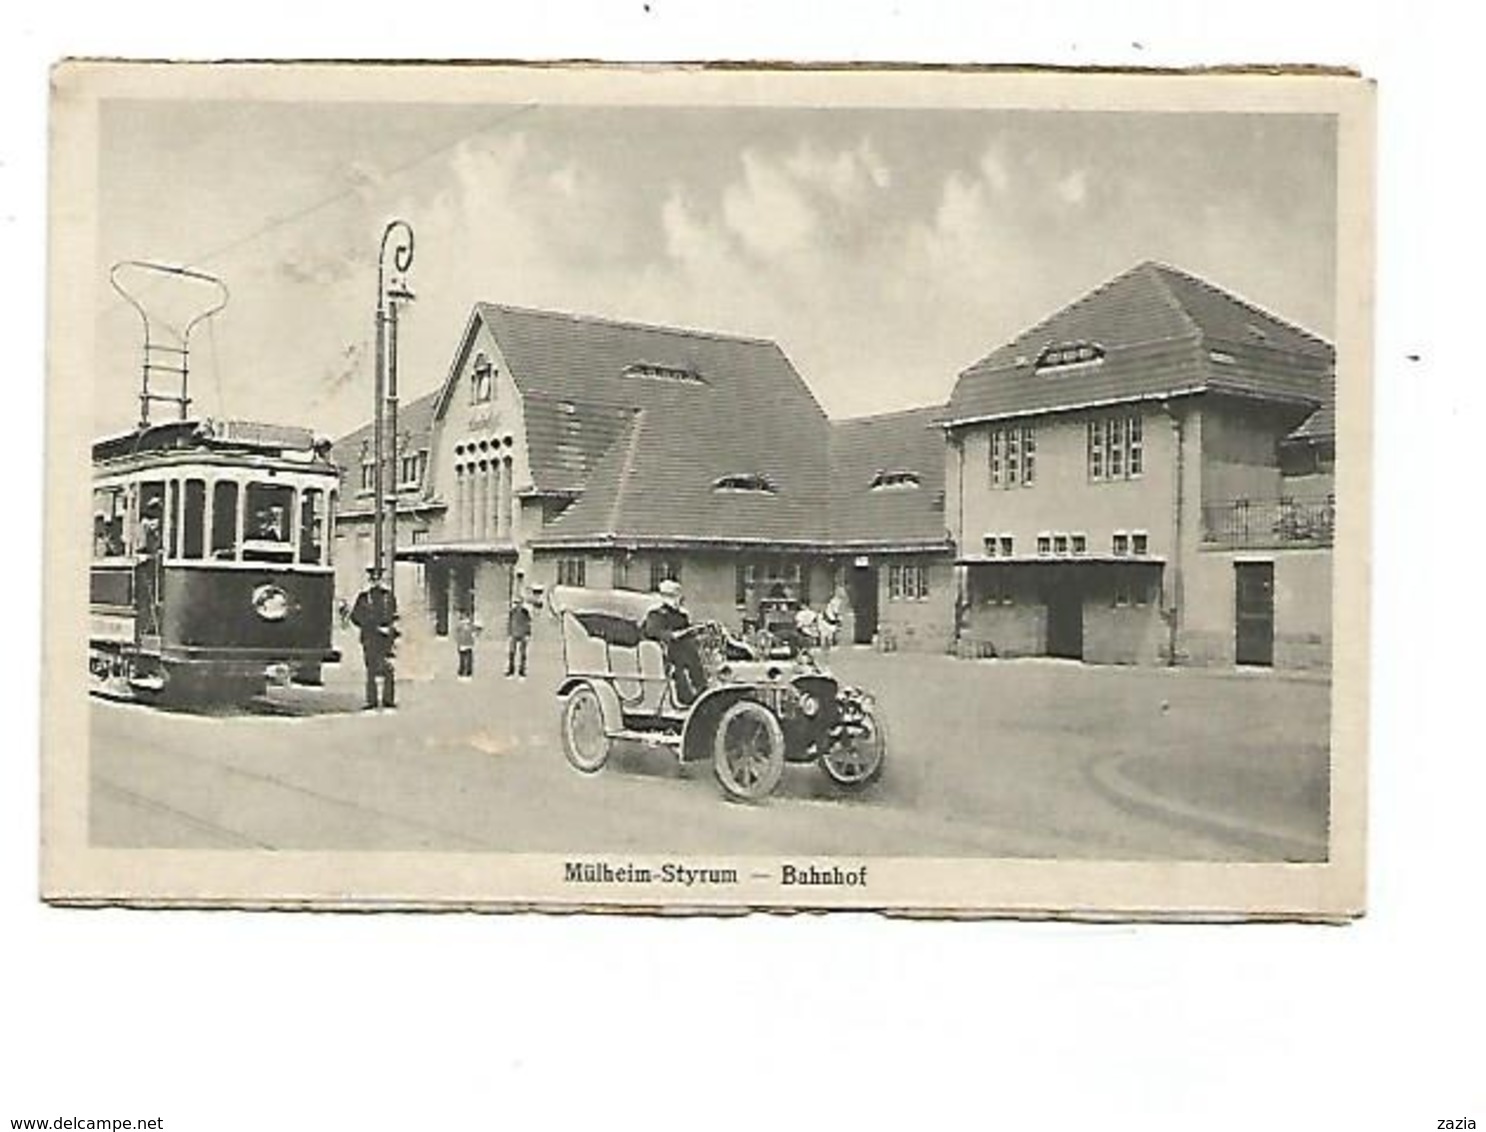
x=646, y=420
x=567, y=438
x=880, y=450
x=1162, y=332
x=414, y=421
x=1320, y=425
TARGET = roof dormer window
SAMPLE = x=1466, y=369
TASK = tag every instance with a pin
x=685, y=374
x=746, y=482
x=1066, y=355
x=895, y=481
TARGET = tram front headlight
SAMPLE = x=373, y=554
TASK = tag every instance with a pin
x=270, y=602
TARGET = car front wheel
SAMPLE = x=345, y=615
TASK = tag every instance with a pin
x=585, y=740
x=855, y=759
x=748, y=751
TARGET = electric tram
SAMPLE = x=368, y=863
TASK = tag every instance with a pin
x=211, y=572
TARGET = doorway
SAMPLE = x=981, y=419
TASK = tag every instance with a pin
x=1064, y=597
x=1253, y=614
x=438, y=595
x=863, y=604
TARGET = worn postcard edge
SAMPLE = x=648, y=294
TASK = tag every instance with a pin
x=74, y=873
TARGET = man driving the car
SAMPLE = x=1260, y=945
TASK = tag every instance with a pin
x=667, y=623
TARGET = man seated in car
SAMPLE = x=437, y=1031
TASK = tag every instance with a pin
x=667, y=623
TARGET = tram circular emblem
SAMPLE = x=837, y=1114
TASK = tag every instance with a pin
x=271, y=603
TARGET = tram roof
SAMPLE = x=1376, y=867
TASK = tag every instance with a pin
x=247, y=437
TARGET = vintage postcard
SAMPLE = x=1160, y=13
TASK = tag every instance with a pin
x=691, y=489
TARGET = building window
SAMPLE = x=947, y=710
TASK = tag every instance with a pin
x=686, y=374
x=411, y=468
x=1132, y=588
x=1001, y=546
x=1065, y=355
x=482, y=381
x=663, y=570
x=900, y=480
x=1044, y=545
x=1080, y=543
x=745, y=575
x=368, y=476
x=1013, y=456
x=1139, y=543
x=993, y=588
x=745, y=482
x=572, y=572
x=907, y=581
x=1120, y=544
x=1116, y=447
x=1060, y=544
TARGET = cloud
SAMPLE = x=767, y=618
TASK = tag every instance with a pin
x=767, y=210
x=1074, y=188
x=993, y=168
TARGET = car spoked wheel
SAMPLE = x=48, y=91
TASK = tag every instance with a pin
x=748, y=751
x=585, y=741
x=855, y=759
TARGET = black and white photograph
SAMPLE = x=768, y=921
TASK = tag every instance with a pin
x=602, y=486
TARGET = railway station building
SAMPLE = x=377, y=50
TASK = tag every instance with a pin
x=1145, y=477
x=571, y=450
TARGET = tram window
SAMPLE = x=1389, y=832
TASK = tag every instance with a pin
x=108, y=522
x=193, y=518
x=173, y=520
x=311, y=525
x=267, y=535
x=151, y=535
x=334, y=500
x=224, y=519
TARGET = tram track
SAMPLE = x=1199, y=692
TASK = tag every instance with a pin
x=154, y=805
x=443, y=836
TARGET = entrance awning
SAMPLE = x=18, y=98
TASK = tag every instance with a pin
x=1066, y=560
x=424, y=551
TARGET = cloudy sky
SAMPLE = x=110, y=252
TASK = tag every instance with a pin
x=883, y=250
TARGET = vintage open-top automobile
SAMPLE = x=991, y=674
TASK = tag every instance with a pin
x=752, y=717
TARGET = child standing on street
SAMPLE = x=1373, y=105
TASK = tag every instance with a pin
x=466, y=629
x=518, y=632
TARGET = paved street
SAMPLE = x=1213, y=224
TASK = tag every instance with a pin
x=1022, y=759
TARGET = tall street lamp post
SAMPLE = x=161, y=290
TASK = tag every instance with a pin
x=392, y=291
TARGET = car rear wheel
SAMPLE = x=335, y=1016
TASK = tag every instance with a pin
x=856, y=759
x=585, y=740
x=748, y=751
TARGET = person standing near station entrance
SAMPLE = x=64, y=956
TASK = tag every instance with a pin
x=375, y=615
x=466, y=629
x=518, y=634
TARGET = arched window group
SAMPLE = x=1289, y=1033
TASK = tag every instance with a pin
x=484, y=493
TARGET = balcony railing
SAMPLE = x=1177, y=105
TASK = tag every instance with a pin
x=1269, y=522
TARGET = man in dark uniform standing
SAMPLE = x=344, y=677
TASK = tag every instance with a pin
x=375, y=614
